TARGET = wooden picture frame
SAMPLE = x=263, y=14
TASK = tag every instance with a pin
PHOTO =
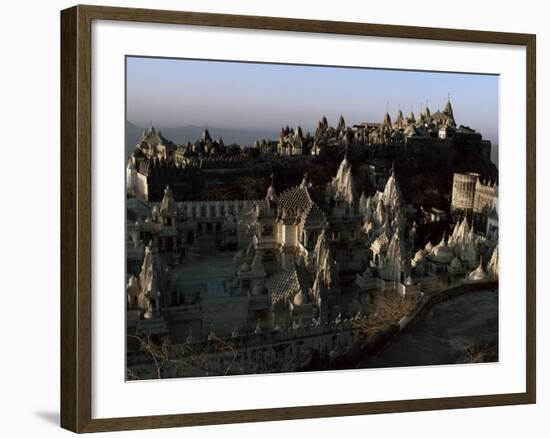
x=76, y=217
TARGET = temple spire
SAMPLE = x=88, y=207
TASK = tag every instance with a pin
x=271, y=194
x=168, y=203
x=341, y=125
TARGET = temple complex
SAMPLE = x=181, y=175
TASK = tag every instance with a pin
x=293, y=269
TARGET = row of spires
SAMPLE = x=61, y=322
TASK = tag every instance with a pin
x=323, y=123
x=341, y=124
x=424, y=112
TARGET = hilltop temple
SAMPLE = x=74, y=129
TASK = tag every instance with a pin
x=295, y=269
x=157, y=162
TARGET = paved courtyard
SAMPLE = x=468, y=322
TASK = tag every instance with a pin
x=208, y=274
x=209, y=271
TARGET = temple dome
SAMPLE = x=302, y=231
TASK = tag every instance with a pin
x=419, y=257
x=478, y=274
x=442, y=253
x=456, y=264
x=429, y=247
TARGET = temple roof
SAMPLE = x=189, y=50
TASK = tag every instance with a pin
x=341, y=186
x=295, y=199
x=341, y=123
x=314, y=216
x=392, y=192
x=448, y=110
x=399, y=117
x=285, y=285
x=206, y=136
x=150, y=136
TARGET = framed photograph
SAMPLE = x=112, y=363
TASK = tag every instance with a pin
x=268, y=218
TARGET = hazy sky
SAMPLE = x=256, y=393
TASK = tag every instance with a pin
x=177, y=92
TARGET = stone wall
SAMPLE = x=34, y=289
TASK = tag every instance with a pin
x=214, y=209
x=294, y=349
x=272, y=351
x=428, y=301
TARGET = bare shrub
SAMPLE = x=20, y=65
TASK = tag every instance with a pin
x=385, y=310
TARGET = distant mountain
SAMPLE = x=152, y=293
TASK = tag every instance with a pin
x=191, y=133
x=133, y=134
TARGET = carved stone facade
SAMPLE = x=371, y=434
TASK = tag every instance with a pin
x=474, y=198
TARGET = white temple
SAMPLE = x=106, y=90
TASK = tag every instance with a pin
x=295, y=248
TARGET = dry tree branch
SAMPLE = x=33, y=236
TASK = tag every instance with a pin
x=387, y=309
x=159, y=355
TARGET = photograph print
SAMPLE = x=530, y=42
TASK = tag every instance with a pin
x=293, y=218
